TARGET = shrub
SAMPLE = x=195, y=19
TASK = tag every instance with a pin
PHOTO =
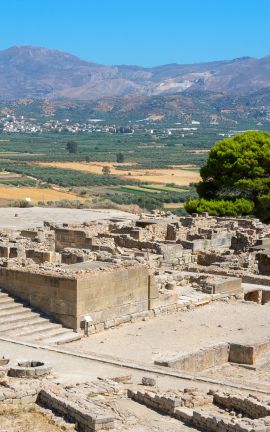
x=120, y=157
x=242, y=157
x=238, y=207
x=237, y=167
x=23, y=204
x=72, y=146
x=264, y=207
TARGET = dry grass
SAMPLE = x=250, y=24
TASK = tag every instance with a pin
x=173, y=205
x=19, y=419
x=160, y=176
x=36, y=194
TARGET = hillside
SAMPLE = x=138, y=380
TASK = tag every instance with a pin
x=33, y=72
x=183, y=107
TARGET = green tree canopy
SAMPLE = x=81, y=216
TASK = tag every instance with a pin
x=120, y=157
x=72, y=146
x=239, y=167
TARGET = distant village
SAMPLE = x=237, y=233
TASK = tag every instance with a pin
x=20, y=124
x=10, y=123
x=13, y=124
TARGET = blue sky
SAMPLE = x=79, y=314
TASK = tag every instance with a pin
x=143, y=32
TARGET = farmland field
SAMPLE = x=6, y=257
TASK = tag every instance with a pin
x=173, y=205
x=36, y=194
x=162, y=188
x=135, y=189
x=180, y=177
x=157, y=170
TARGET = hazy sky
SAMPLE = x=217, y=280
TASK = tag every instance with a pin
x=143, y=32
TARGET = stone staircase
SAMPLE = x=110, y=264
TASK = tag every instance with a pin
x=18, y=321
x=194, y=298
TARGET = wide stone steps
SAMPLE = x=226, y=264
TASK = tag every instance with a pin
x=30, y=330
x=61, y=339
x=18, y=309
x=194, y=298
x=15, y=317
x=21, y=322
x=5, y=299
x=8, y=306
x=17, y=325
x=47, y=333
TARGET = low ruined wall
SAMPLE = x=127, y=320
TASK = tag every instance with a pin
x=77, y=238
x=66, y=238
x=9, y=251
x=246, y=277
x=27, y=394
x=245, y=405
x=206, y=358
x=174, y=252
x=88, y=418
x=217, y=355
x=40, y=256
x=230, y=285
x=187, y=409
x=200, y=245
x=260, y=296
x=124, y=240
x=264, y=263
x=248, y=354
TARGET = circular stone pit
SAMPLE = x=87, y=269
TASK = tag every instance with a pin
x=4, y=361
x=29, y=369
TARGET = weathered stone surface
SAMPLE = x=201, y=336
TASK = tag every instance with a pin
x=148, y=381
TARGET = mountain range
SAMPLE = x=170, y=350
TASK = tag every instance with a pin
x=40, y=73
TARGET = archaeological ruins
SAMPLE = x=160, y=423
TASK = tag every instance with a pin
x=65, y=285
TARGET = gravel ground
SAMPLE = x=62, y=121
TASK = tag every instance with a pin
x=181, y=332
x=139, y=418
x=34, y=216
x=241, y=375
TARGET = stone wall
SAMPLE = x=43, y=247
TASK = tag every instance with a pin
x=206, y=358
x=25, y=394
x=186, y=407
x=249, y=406
x=41, y=256
x=11, y=251
x=248, y=354
x=77, y=237
x=217, y=355
x=88, y=416
x=103, y=294
x=229, y=285
x=219, y=242
x=264, y=262
x=111, y=294
x=66, y=237
x=54, y=295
